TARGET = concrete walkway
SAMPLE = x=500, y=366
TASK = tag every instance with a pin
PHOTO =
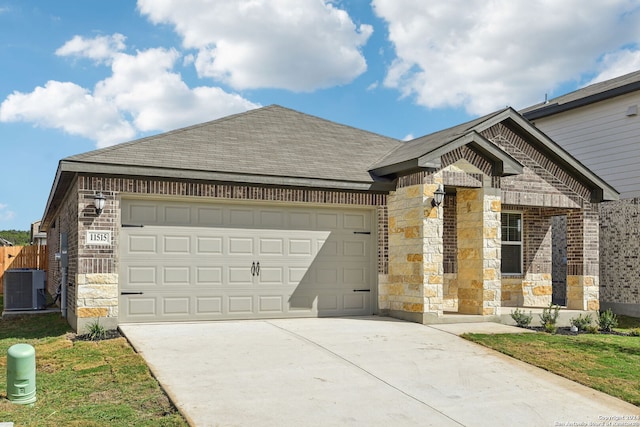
x=355, y=371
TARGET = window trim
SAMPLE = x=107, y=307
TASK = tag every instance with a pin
x=512, y=243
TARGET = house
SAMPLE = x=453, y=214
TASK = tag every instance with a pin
x=274, y=213
x=38, y=238
x=600, y=126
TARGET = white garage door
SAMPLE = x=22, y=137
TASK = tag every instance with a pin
x=189, y=261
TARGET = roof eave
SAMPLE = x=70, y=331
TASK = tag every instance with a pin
x=551, y=109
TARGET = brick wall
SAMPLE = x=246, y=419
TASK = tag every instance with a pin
x=620, y=253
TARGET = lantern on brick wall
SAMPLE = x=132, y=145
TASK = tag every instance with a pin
x=438, y=197
x=99, y=201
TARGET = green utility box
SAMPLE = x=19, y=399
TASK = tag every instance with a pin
x=21, y=374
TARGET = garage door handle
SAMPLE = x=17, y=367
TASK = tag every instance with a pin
x=253, y=268
x=258, y=268
x=362, y=290
x=131, y=293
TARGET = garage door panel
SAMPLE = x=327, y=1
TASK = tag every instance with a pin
x=271, y=304
x=271, y=219
x=241, y=246
x=141, y=307
x=176, y=215
x=172, y=306
x=209, y=217
x=241, y=304
x=271, y=275
x=141, y=244
x=310, y=263
x=241, y=217
x=327, y=303
x=240, y=276
x=176, y=276
x=177, y=245
x=208, y=276
x=140, y=213
x=271, y=246
x=140, y=275
x=354, y=301
x=208, y=305
x=209, y=245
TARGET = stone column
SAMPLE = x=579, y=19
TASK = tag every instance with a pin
x=414, y=290
x=583, y=258
x=479, y=279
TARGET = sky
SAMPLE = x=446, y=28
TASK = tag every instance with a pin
x=77, y=75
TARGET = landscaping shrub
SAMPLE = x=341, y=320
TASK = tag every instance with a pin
x=607, y=320
x=549, y=318
x=582, y=322
x=522, y=319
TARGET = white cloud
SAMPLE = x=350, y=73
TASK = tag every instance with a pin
x=617, y=64
x=409, y=137
x=69, y=107
x=5, y=213
x=299, y=45
x=142, y=94
x=158, y=99
x=99, y=49
x=484, y=55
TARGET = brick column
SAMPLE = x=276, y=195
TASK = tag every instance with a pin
x=479, y=278
x=583, y=258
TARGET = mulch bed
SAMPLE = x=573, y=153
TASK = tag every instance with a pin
x=567, y=331
x=108, y=335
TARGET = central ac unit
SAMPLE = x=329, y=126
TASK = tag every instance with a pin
x=24, y=289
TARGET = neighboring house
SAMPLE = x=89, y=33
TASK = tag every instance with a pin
x=600, y=126
x=38, y=238
x=274, y=213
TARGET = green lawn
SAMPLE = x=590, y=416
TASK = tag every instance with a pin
x=82, y=383
x=609, y=363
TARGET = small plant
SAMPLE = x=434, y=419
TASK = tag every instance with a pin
x=607, y=320
x=522, y=319
x=549, y=318
x=592, y=329
x=581, y=322
x=95, y=331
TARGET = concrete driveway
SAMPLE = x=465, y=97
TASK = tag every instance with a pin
x=372, y=371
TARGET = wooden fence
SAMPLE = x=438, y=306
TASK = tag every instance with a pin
x=22, y=257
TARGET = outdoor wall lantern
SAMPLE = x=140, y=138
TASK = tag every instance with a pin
x=438, y=197
x=98, y=201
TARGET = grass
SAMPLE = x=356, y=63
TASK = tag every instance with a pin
x=82, y=383
x=608, y=363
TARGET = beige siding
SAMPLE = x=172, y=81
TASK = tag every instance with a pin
x=603, y=138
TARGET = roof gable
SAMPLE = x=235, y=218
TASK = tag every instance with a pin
x=425, y=152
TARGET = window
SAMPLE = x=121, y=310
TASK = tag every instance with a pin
x=511, y=243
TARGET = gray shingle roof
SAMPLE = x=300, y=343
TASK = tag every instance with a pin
x=587, y=95
x=418, y=147
x=271, y=141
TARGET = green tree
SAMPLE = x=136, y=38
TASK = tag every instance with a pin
x=17, y=237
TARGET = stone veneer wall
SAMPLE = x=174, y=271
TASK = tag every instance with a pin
x=620, y=256
x=479, y=253
x=414, y=286
x=93, y=280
